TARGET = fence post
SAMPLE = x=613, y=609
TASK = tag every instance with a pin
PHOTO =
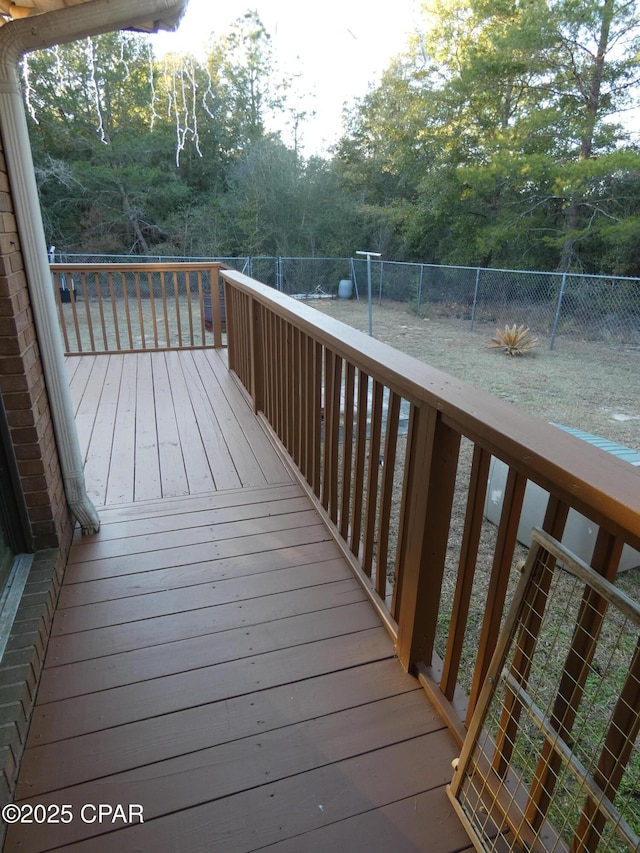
x=558, y=308
x=355, y=279
x=218, y=305
x=475, y=299
x=420, y=289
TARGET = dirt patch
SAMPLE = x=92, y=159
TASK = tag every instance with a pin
x=578, y=384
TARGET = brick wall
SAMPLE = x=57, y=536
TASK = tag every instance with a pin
x=22, y=663
x=24, y=394
x=29, y=418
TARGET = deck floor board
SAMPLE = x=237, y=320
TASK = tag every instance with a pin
x=120, y=484
x=180, y=427
x=213, y=658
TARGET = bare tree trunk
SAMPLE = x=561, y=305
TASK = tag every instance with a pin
x=592, y=108
x=132, y=216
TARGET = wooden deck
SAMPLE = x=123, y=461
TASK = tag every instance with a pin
x=166, y=424
x=213, y=659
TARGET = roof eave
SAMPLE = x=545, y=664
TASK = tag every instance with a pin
x=91, y=18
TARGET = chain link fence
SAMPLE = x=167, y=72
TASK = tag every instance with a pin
x=603, y=309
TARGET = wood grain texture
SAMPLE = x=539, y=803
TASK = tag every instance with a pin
x=166, y=424
x=214, y=659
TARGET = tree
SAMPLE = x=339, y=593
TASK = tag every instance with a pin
x=96, y=159
x=129, y=148
x=599, y=44
x=244, y=61
x=481, y=143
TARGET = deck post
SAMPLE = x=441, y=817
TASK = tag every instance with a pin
x=431, y=465
x=218, y=305
x=230, y=319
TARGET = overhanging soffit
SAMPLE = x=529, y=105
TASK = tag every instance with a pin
x=167, y=18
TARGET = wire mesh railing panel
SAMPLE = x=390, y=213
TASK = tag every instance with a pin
x=551, y=760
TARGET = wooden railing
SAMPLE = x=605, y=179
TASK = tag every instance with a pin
x=106, y=308
x=395, y=451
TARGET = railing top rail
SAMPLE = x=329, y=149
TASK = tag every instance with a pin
x=133, y=267
x=599, y=485
x=571, y=274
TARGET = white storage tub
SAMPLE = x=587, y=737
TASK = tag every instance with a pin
x=580, y=533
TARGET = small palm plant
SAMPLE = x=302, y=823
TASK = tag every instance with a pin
x=514, y=340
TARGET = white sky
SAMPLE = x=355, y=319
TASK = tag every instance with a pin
x=334, y=47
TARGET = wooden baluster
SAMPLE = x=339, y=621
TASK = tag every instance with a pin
x=466, y=569
x=329, y=376
x=216, y=297
x=272, y=330
x=361, y=456
x=283, y=380
x=275, y=368
x=176, y=295
x=371, y=504
x=231, y=342
x=87, y=308
x=74, y=310
x=62, y=318
x=245, y=302
x=241, y=335
x=297, y=400
x=332, y=425
x=189, y=298
x=316, y=416
x=140, y=311
x=103, y=323
x=554, y=523
x=477, y=723
x=615, y=755
x=152, y=302
x=165, y=311
x=498, y=582
x=403, y=533
x=347, y=446
x=269, y=338
x=280, y=377
x=430, y=474
x=386, y=491
x=127, y=313
x=203, y=327
x=256, y=344
x=304, y=435
x=288, y=387
x=114, y=310
x=606, y=556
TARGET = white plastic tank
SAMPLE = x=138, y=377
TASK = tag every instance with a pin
x=580, y=533
x=345, y=288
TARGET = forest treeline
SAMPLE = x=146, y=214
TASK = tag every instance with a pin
x=500, y=137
